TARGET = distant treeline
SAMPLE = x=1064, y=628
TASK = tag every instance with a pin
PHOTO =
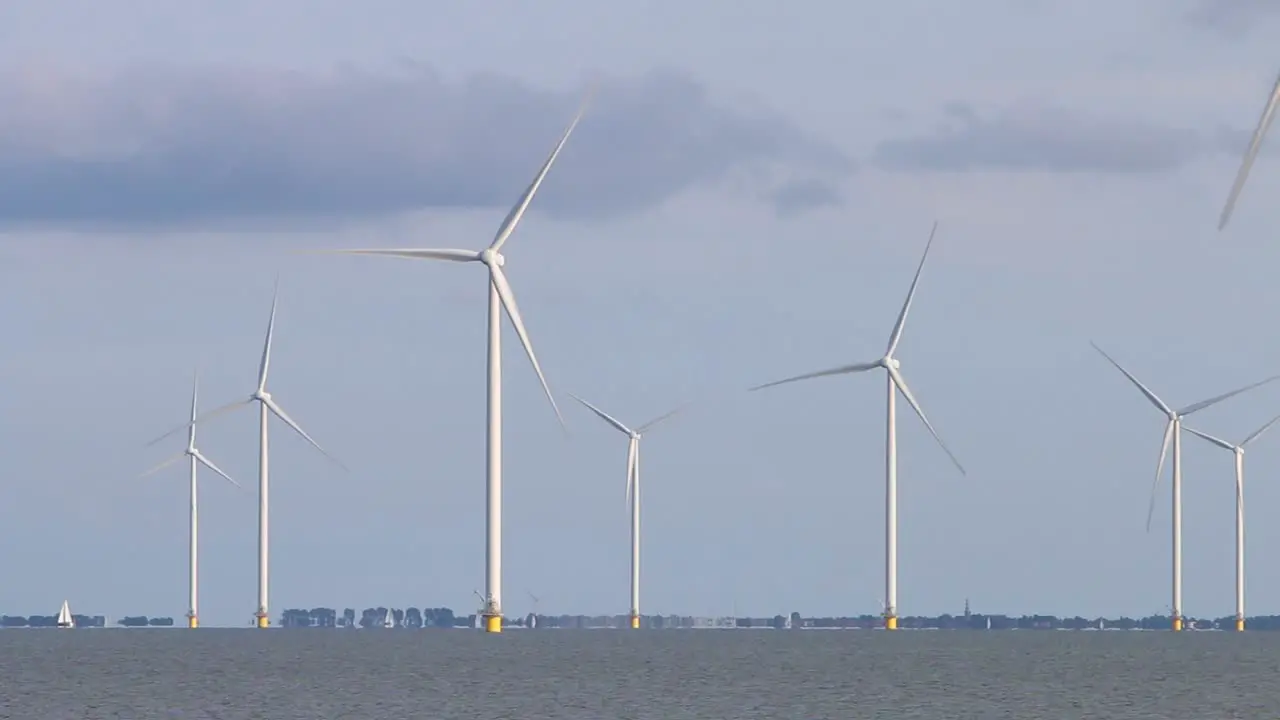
x=413, y=618
x=37, y=621
x=373, y=618
x=82, y=621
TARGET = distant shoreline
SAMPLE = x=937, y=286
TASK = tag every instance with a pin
x=444, y=618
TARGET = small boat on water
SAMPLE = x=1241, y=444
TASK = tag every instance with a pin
x=65, y=620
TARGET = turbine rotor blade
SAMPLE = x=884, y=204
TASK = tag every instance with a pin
x=195, y=391
x=633, y=451
x=602, y=414
x=414, y=254
x=266, y=347
x=164, y=464
x=662, y=417
x=1250, y=154
x=1215, y=440
x=202, y=418
x=1240, y=494
x=209, y=464
x=508, y=298
x=280, y=413
x=896, y=335
x=1257, y=433
x=901, y=384
x=1215, y=400
x=842, y=370
x=517, y=211
x=1155, y=400
x=1164, y=451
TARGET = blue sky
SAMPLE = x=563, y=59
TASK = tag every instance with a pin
x=746, y=199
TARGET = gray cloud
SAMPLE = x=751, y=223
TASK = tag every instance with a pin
x=190, y=146
x=1231, y=15
x=1041, y=139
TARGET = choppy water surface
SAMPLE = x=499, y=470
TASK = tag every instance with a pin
x=658, y=675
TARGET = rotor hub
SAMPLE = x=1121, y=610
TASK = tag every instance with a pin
x=491, y=257
x=890, y=362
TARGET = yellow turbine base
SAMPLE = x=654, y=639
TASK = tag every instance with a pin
x=193, y=622
x=1239, y=624
x=264, y=621
x=493, y=623
x=635, y=622
x=1177, y=624
x=891, y=622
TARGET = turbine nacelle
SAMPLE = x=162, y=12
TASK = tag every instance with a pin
x=889, y=362
x=491, y=258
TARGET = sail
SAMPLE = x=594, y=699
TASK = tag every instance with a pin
x=65, y=620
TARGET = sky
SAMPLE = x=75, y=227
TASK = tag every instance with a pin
x=746, y=198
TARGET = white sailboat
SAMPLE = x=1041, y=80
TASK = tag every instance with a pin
x=64, y=616
x=390, y=620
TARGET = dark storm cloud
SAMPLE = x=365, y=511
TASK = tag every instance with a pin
x=1041, y=140
x=176, y=147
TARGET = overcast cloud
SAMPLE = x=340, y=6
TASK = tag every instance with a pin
x=1044, y=139
x=186, y=146
x=1232, y=14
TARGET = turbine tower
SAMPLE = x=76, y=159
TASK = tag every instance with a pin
x=1173, y=431
x=896, y=384
x=633, y=492
x=500, y=298
x=267, y=406
x=196, y=458
x=1250, y=154
x=1238, y=452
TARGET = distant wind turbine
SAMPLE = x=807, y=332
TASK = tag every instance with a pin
x=1173, y=431
x=267, y=406
x=633, y=491
x=500, y=297
x=196, y=458
x=1238, y=452
x=896, y=384
x=1250, y=154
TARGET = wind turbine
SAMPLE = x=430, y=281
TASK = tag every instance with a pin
x=196, y=458
x=896, y=384
x=500, y=297
x=1250, y=154
x=267, y=406
x=1173, y=430
x=1238, y=451
x=633, y=492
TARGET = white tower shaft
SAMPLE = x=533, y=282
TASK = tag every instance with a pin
x=1177, y=523
x=193, y=611
x=493, y=470
x=263, y=614
x=891, y=508
x=1239, y=540
x=635, y=539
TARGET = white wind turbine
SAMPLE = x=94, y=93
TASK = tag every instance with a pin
x=196, y=458
x=1250, y=154
x=1238, y=452
x=267, y=406
x=633, y=491
x=500, y=297
x=896, y=384
x=1173, y=432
